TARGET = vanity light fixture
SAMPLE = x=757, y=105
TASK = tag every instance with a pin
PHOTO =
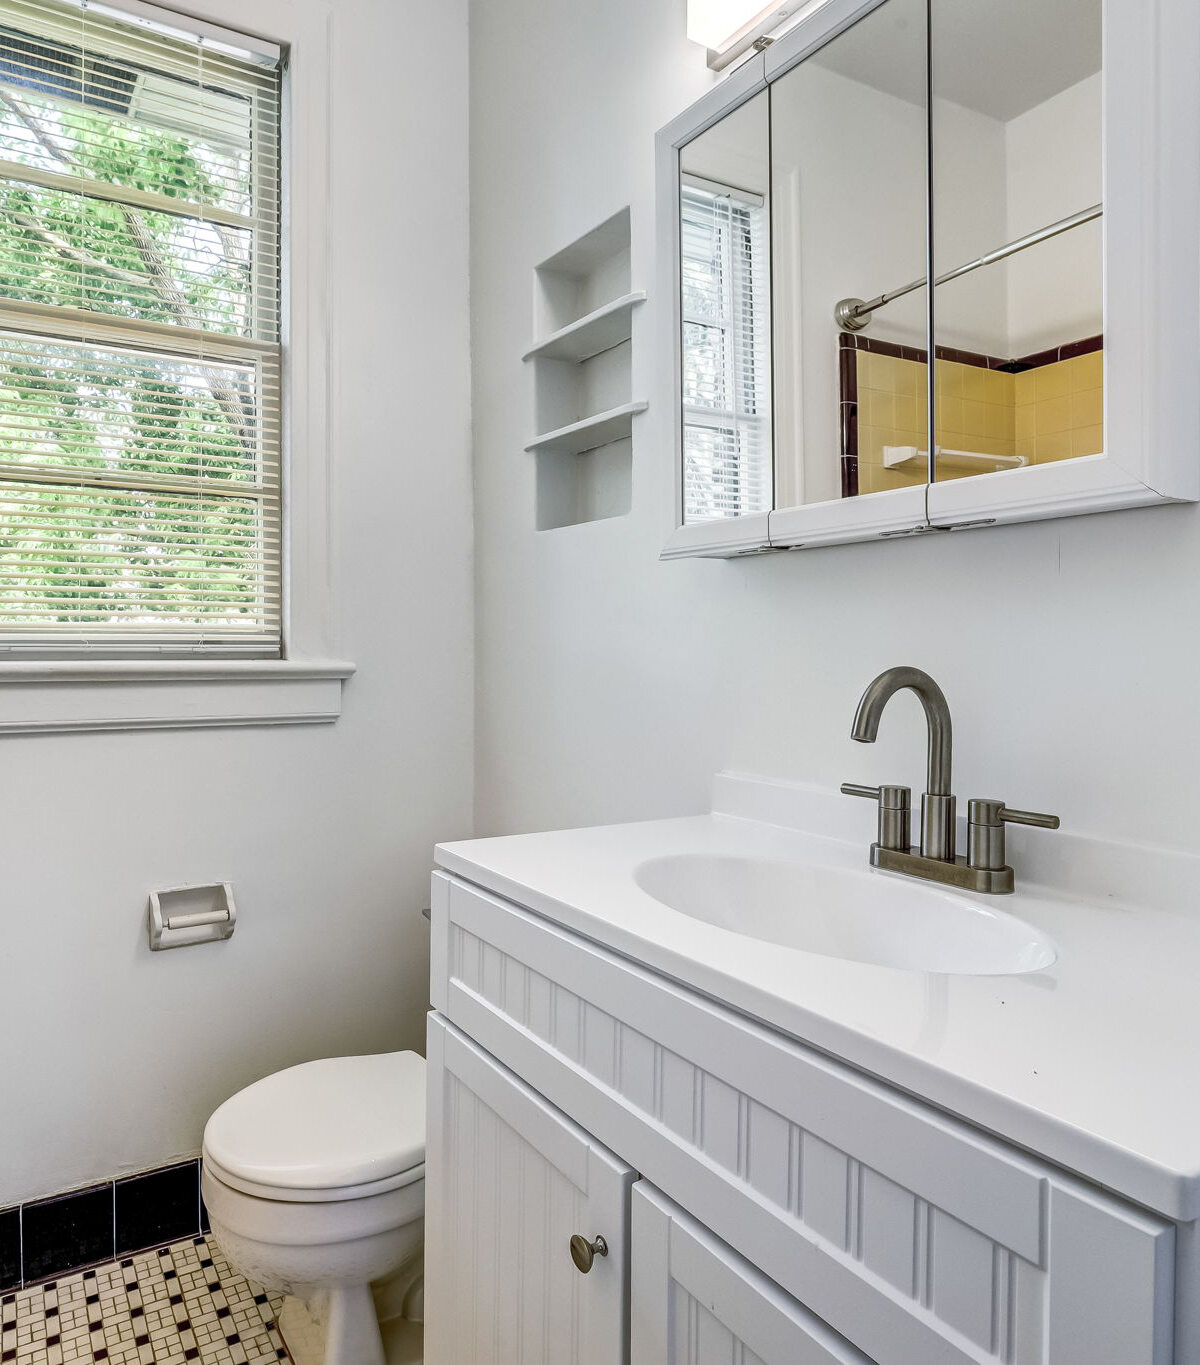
x=729, y=28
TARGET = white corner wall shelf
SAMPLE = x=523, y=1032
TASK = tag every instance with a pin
x=599, y=430
x=584, y=304
x=601, y=330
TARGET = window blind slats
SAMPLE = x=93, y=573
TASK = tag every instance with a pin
x=35, y=319
x=61, y=110
x=139, y=332
x=117, y=35
x=32, y=174
x=190, y=561
x=70, y=477
x=725, y=321
x=57, y=250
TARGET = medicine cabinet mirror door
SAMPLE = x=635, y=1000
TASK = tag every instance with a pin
x=1018, y=190
x=849, y=156
x=811, y=188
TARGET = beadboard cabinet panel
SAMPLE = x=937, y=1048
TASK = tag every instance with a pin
x=915, y=1236
x=508, y=1181
x=696, y=1302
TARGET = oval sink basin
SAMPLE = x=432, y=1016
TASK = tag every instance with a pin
x=861, y=916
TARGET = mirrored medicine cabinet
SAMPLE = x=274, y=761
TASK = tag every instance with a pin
x=1039, y=160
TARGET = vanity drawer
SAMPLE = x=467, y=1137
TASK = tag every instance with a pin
x=916, y=1237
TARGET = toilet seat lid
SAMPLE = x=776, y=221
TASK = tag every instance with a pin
x=330, y=1124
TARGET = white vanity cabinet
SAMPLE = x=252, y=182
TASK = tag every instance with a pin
x=798, y=1206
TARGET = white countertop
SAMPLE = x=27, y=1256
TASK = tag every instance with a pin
x=1093, y=1063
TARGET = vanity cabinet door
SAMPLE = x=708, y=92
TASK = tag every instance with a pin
x=508, y=1181
x=697, y=1302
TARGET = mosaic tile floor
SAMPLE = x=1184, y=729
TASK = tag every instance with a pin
x=182, y=1303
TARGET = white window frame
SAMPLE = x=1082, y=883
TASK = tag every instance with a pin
x=304, y=685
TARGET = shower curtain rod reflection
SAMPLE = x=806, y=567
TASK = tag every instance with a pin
x=852, y=315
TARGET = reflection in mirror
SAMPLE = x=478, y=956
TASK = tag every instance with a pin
x=725, y=321
x=849, y=142
x=1017, y=183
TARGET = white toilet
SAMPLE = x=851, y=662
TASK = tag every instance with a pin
x=315, y=1184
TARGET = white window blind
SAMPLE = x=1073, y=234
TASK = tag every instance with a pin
x=727, y=461
x=139, y=333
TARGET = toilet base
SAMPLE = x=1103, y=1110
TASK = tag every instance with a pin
x=403, y=1342
x=302, y=1334
x=343, y=1327
x=337, y=1328
x=345, y=1265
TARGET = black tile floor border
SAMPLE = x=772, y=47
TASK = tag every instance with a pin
x=10, y=1249
x=66, y=1232
x=158, y=1206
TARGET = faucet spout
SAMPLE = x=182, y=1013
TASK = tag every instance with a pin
x=937, y=717
x=984, y=868
x=937, y=804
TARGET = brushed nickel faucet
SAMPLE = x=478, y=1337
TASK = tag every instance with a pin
x=936, y=859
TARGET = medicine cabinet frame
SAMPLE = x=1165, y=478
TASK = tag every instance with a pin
x=1151, y=282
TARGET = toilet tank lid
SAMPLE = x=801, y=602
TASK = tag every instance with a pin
x=341, y=1121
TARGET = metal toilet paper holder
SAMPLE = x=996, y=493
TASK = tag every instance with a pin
x=181, y=916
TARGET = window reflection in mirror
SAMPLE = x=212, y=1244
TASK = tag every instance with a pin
x=725, y=317
x=1017, y=153
x=849, y=142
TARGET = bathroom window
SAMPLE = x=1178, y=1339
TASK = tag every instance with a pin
x=140, y=406
x=726, y=350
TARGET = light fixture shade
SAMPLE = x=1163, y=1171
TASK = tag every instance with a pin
x=725, y=25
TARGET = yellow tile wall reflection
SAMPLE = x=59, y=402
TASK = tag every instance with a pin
x=1060, y=409
x=892, y=411
x=976, y=413
x=1052, y=412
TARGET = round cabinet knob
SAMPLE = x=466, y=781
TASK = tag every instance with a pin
x=583, y=1252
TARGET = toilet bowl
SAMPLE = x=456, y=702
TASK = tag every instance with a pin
x=314, y=1179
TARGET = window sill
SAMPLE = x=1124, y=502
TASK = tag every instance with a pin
x=55, y=696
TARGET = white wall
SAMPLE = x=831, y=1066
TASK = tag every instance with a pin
x=611, y=686
x=735, y=151
x=1055, y=290
x=111, y=1057
x=970, y=208
x=996, y=181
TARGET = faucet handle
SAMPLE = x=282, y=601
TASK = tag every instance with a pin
x=985, y=830
x=1028, y=817
x=988, y=812
x=895, y=808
